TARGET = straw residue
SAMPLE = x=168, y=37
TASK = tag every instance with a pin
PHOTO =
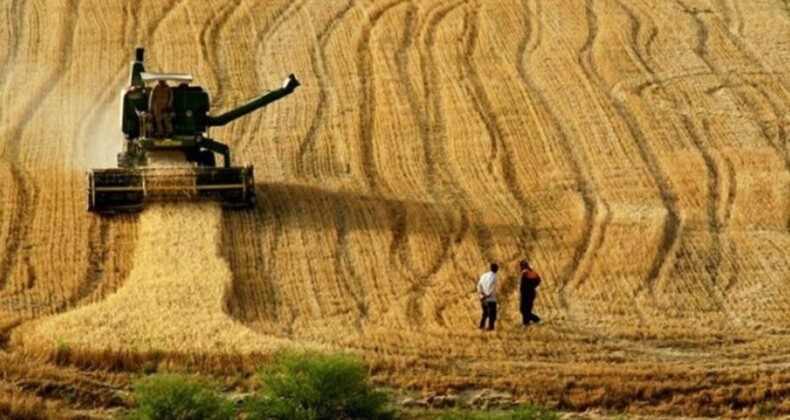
x=174, y=298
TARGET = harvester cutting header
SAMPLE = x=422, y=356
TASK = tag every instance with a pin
x=167, y=153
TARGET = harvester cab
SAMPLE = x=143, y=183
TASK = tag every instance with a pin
x=167, y=154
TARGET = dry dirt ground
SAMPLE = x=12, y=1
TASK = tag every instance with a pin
x=638, y=153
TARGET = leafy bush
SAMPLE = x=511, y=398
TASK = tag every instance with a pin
x=313, y=386
x=177, y=397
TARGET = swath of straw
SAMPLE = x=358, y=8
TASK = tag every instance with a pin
x=174, y=298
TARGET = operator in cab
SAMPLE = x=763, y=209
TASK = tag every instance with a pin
x=160, y=103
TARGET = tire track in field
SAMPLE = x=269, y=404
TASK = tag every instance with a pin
x=257, y=296
x=396, y=211
x=437, y=124
x=15, y=34
x=399, y=247
x=368, y=99
x=501, y=152
x=732, y=183
x=483, y=106
x=283, y=15
x=775, y=105
x=153, y=28
x=718, y=199
x=577, y=269
x=432, y=128
x=775, y=141
x=673, y=224
x=326, y=97
x=98, y=251
x=272, y=295
x=209, y=37
x=417, y=109
x=269, y=265
x=130, y=19
x=27, y=192
x=732, y=16
x=318, y=60
x=7, y=257
x=345, y=270
x=16, y=27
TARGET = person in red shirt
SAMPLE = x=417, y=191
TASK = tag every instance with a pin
x=530, y=280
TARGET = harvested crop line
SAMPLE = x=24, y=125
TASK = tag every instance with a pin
x=174, y=299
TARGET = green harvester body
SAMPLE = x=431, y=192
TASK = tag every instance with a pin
x=194, y=174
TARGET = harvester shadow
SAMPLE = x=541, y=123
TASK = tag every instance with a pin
x=300, y=206
x=284, y=209
x=295, y=206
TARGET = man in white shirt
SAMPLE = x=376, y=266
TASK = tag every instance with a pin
x=486, y=287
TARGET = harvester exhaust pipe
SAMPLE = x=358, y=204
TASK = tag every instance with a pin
x=135, y=75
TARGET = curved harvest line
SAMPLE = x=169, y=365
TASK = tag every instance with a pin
x=210, y=45
x=267, y=265
x=27, y=191
x=318, y=61
x=673, y=223
x=483, y=105
x=418, y=114
x=432, y=130
x=593, y=234
x=6, y=258
x=775, y=141
x=284, y=13
x=717, y=197
x=16, y=25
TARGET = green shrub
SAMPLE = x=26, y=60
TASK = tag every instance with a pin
x=177, y=397
x=313, y=386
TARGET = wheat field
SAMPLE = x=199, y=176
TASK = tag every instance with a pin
x=637, y=153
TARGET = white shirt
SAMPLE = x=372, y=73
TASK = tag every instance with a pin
x=486, y=286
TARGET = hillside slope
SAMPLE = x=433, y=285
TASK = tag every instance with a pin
x=637, y=154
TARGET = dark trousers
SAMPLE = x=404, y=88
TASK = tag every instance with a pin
x=489, y=313
x=527, y=302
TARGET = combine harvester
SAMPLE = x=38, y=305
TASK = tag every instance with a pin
x=167, y=154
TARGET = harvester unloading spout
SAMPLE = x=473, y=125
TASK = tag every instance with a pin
x=166, y=122
x=288, y=87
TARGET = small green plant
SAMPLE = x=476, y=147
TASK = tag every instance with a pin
x=766, y=409
x=315, y=386
x=524, y=412
x=62, y=351
x=151, y=365
x=177, y=397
